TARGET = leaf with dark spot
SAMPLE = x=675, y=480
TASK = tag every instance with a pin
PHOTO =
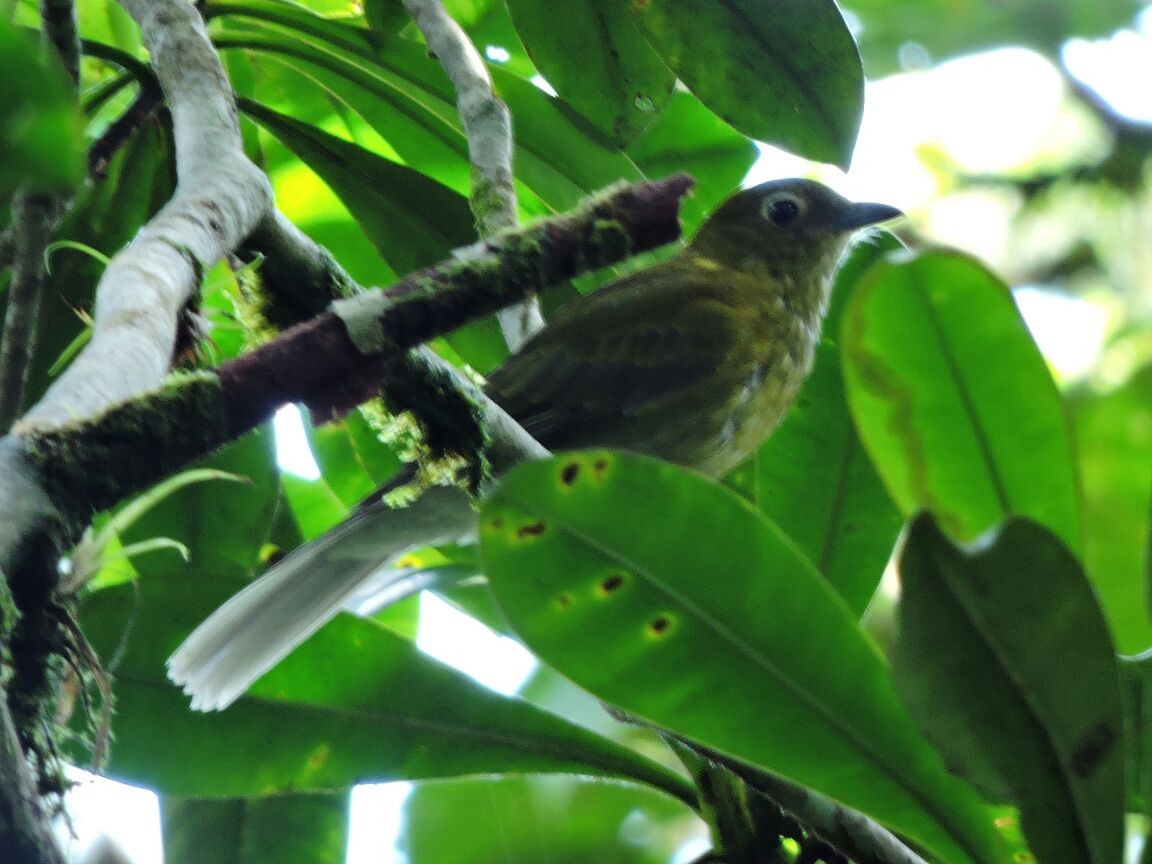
x=699, y=602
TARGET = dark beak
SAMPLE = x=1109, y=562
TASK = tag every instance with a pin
x=861, y=215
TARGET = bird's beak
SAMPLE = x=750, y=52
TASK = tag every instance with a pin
x=861, y=215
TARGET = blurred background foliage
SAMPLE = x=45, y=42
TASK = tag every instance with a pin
x=1019, y=133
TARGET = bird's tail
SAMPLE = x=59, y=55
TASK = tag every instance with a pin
x=258, y=627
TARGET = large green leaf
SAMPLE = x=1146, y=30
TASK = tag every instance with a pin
x=946, y=28
x=1136, y=680
x=406, y=96
x=813, y=478
x=598, y=62
x=670, y=597
x=786, y=72
x=351, y=456
x=688, y=137
x=287, y=829
x=355, y=703
x=1114, y=446
x=41, y=128
x=411, y=219
x=530, y=820
x=223, y=524
x=953, y=399
x=1005, y=660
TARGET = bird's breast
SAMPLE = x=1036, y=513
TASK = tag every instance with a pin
x=780, y=352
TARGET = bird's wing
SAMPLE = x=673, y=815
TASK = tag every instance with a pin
x=634, y=347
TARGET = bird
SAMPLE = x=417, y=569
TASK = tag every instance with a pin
x=694, y=360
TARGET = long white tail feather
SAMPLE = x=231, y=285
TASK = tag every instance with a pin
x=258, y=627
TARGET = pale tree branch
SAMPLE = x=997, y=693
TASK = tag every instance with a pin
x=220, y=196
x=488, y=127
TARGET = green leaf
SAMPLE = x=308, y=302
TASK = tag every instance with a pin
x=316, y=28
x=287, y=829
x=555, y=157
x=786, y=72
x=532, y=820
x=697, y=614
x=813, y=477
x=1006, y=661
x=1114, y=446
x=315, y=507
x=953, y=399
x=351, y=456
x=406, y=97
x=41, y=128
x=411, y=219
x=688, y=137
x=355, y=703
x=889, y=27
x=221, y=522
x=598, y=62
x=385, y=16
x=1136, y=680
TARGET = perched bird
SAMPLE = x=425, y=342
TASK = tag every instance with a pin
x=694, y=360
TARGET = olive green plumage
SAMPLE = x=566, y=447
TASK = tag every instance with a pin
x=694, y=360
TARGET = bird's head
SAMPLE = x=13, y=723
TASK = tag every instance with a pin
x=792, y=228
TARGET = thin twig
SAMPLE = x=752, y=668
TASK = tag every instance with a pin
x=488, y=127
x=147, y=102
x=35, y=214
x=25, y=828
x=33, y=217
x=59, y=31
x=848, y=831
x=139, y=299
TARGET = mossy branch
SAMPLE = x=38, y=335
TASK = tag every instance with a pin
x=90, y=466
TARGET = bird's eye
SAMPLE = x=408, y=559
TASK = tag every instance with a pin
x=781, y=210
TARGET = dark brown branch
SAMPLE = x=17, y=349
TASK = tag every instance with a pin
x=24, y=827
x=318, y=364
x=59, y=31
x=848, y=831
x=34, y=214
x=118, y=133
x=91, y=466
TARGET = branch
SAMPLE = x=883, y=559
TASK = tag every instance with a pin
x=25, y=833
x=147, y=102
x=25, y=828
x=34, y=214
x=59, y=32
x=220, y=196
x=488, y=128
x=848, y=831
x=335, y=361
